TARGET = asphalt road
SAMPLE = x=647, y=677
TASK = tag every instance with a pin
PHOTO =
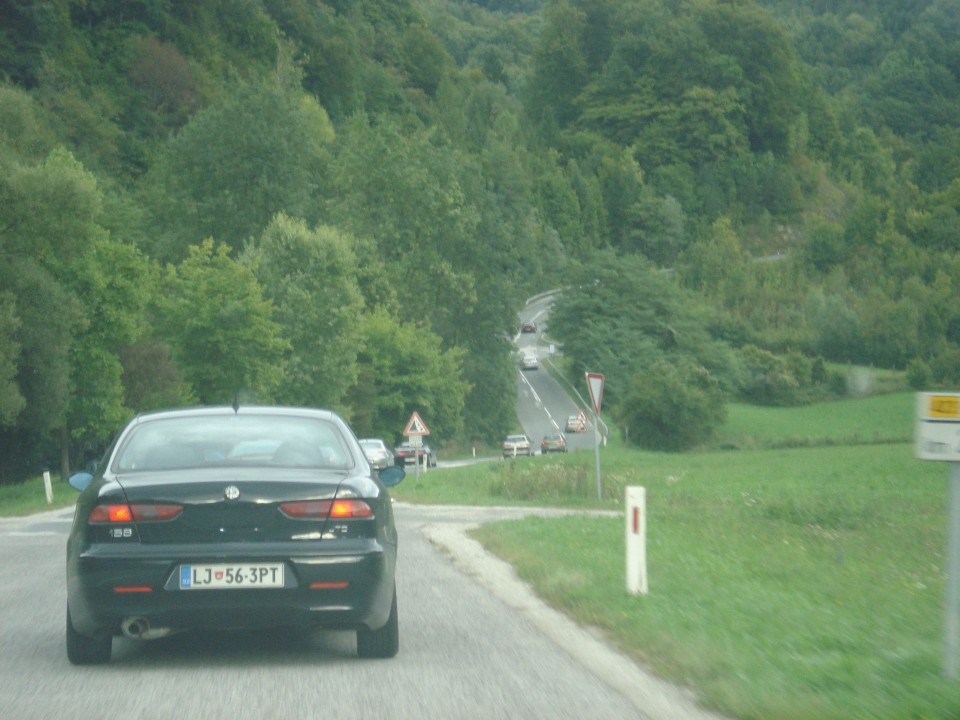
x=474, y=644
x=543, y=404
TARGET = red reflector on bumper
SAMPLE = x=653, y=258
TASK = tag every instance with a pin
x=328, y=585
x=133, y=589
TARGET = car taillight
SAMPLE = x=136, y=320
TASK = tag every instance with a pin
x=139, y=512
x=322, y=509
x=350, y=509
x=307, y=509
x=155, y=512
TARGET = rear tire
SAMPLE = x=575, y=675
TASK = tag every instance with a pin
x=83, y=650
x=382, y=643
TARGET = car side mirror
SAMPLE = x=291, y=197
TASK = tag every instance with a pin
x=80, y=480
x=392, y=475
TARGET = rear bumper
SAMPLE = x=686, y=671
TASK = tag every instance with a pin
x=354, y=588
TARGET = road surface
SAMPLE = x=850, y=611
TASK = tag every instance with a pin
x=474, y=644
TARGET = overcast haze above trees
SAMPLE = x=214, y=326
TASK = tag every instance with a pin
x=345, y=203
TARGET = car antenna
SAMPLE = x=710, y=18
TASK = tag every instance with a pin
x=236, y=403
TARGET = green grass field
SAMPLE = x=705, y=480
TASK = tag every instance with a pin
x=31, y=497
x=800, y=580
x=798, y=577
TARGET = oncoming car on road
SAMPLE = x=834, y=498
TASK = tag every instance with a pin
x=514, y=445
x=232, y=518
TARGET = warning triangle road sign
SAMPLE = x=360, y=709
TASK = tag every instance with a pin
x=416, y=426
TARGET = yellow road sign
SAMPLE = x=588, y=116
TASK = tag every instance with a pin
x=944, y=407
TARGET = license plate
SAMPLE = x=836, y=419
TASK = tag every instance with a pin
x=233, y=575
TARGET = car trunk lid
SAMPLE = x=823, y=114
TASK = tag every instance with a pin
x=235, y=507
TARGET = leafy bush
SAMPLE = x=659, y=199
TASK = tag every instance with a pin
x=516, y=481
x=672, y=407
x=564, y=480
x=781, y=380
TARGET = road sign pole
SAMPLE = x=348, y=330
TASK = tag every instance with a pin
x=595, y=386
x=938, y=430
x=596, y=451
x=951, y=647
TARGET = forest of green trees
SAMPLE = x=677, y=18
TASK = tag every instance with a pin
x=344, y=204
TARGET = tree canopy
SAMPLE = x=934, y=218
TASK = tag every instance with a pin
x=277, y=197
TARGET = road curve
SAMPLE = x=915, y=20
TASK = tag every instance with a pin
x=474, y=643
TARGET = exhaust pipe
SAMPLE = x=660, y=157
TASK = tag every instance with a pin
x=138, y=628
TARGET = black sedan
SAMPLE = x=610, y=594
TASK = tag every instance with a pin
x=232, y=518
x=407, y=454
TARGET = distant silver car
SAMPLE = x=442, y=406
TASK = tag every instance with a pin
x=554, y=442
x=377, y=452
x=530, y=362
x=515, y=445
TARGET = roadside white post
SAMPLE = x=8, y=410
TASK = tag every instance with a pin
x=47, y=486
x=636, y=540
x=938, y=438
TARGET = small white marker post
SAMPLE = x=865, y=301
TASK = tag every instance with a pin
x=938, y=438
x=47, y=486
x=636, y=540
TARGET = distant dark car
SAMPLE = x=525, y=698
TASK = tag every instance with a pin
x=554, y=442
x=377, y=453
x=514, y=445
x=226, y=518
x=528, y=327
x=406, y=454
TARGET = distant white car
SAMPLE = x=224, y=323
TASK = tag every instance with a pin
x=377, y=452
x=530, y=362
x=514, y=445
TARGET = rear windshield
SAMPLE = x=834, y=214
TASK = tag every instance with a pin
x=208, y=440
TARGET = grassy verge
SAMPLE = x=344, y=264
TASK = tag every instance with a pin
x=803, y=579
x=31, y=497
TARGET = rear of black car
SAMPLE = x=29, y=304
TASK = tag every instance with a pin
x=237, y=531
